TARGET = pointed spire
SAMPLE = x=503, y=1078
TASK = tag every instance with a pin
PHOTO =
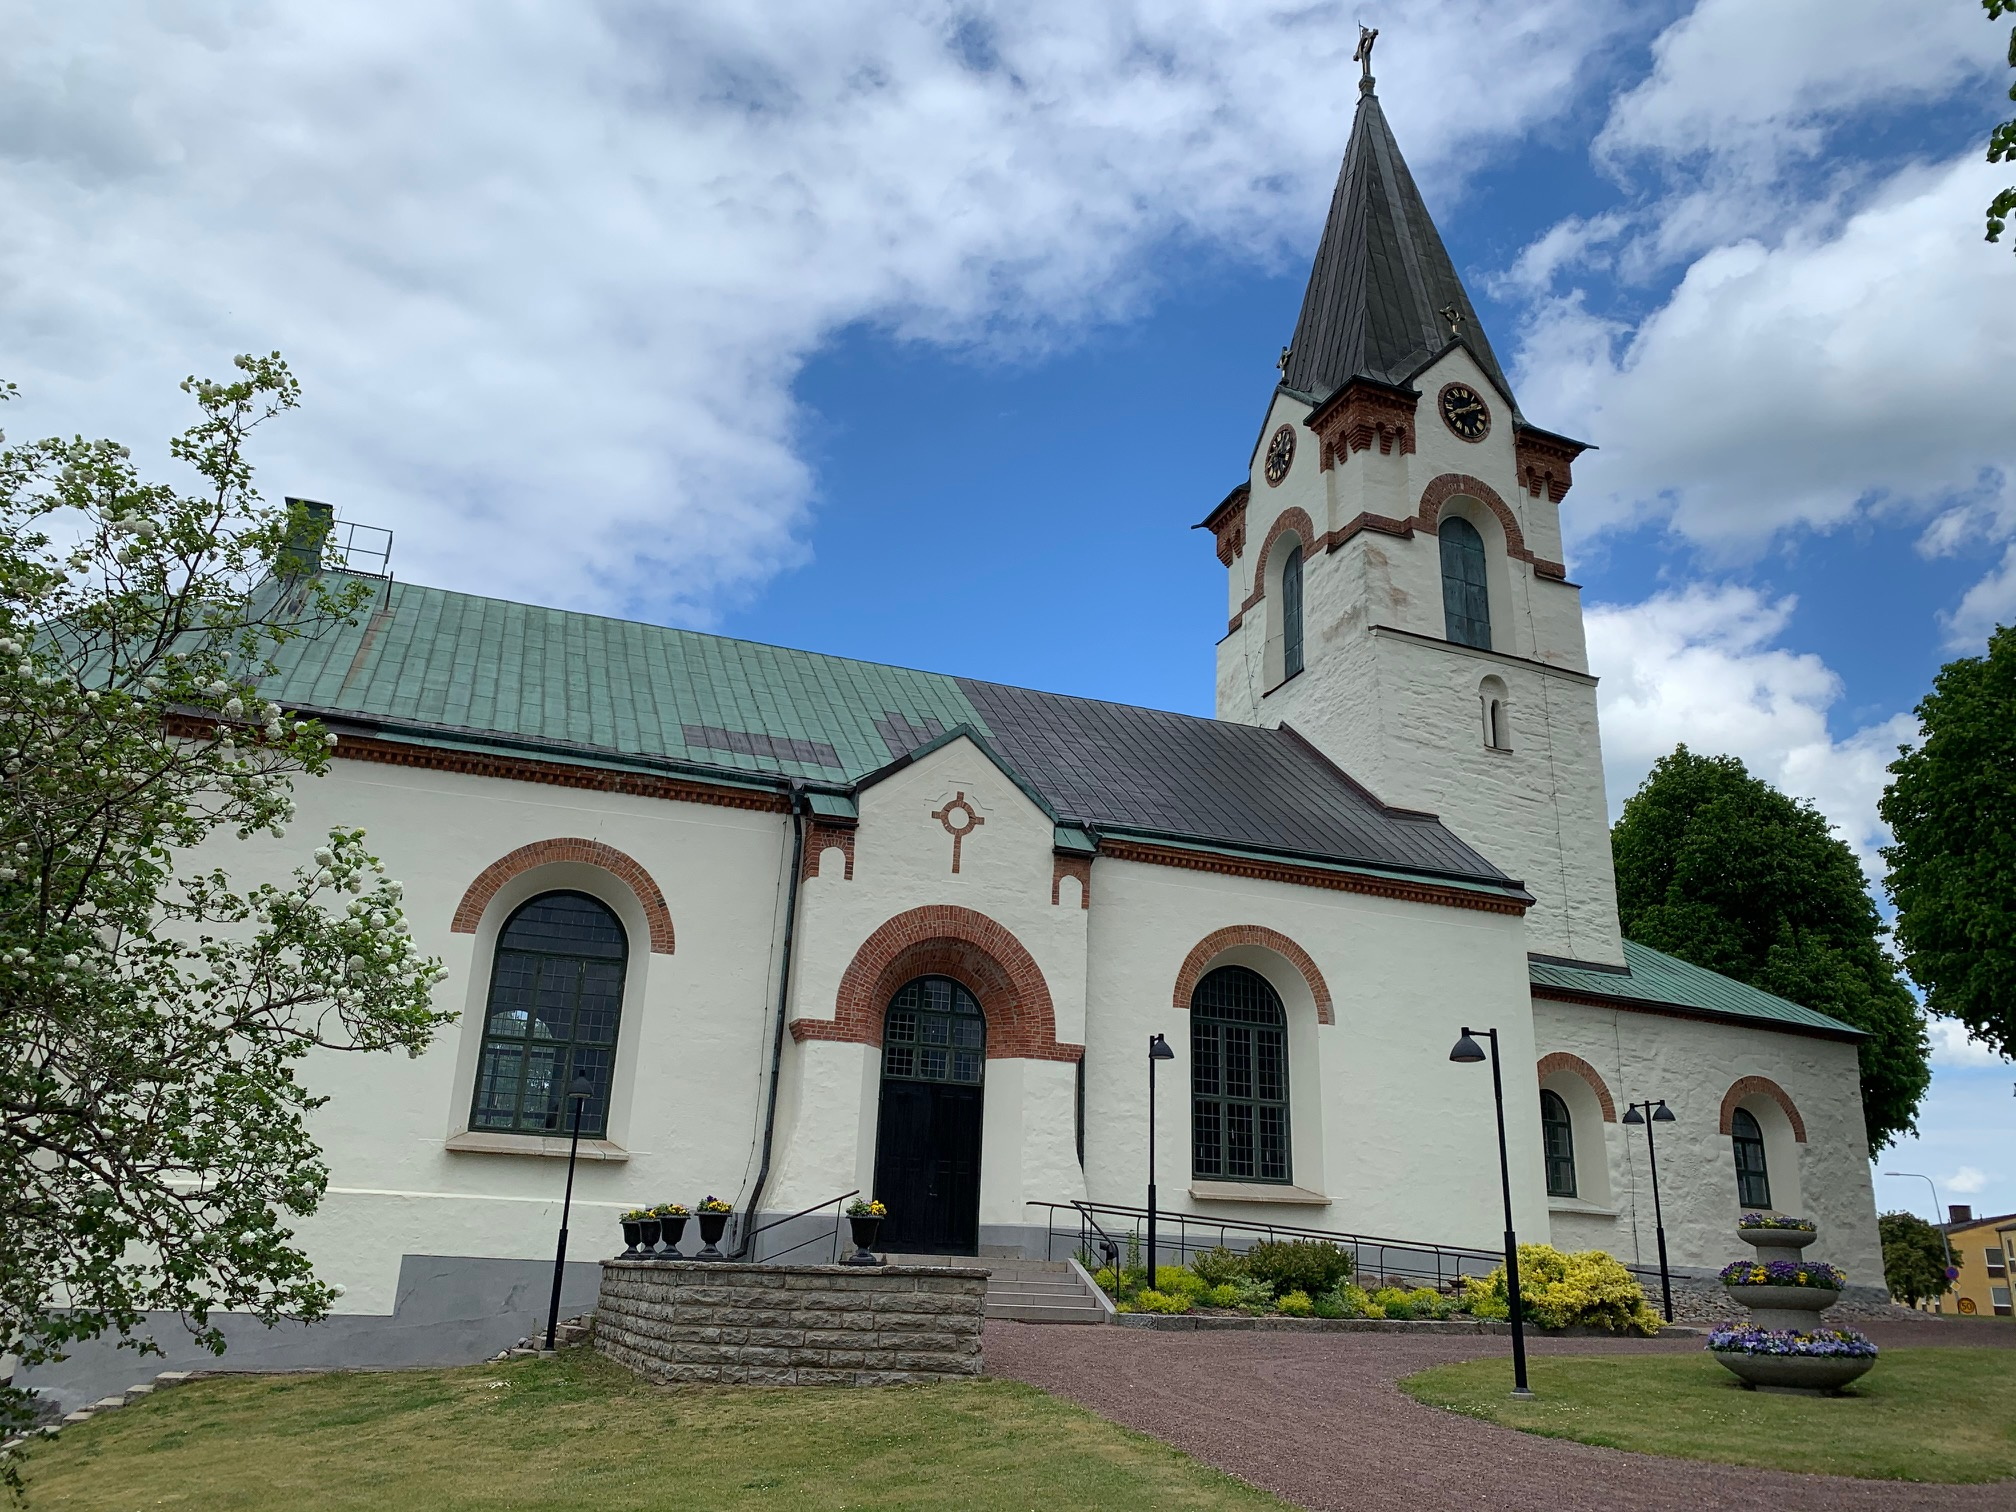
x=1383, y=297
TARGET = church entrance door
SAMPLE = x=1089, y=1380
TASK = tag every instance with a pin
x=927, y=1139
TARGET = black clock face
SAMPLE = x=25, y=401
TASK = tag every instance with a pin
x=1463, y=412
x=1280, y=454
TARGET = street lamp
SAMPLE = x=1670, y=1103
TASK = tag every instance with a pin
x=1659, y=1113
x=578, y=1094
x=1468, y=1052
x=1952, y=1271
x=1158, y=1050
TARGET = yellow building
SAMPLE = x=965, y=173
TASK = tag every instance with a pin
x=1982, y=1249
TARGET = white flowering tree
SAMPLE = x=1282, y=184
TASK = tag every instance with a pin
x=154, y=1015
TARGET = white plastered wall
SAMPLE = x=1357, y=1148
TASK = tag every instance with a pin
x=1693, y=1063
x=692, y=1046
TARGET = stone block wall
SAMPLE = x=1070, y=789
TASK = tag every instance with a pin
x=685, y=1321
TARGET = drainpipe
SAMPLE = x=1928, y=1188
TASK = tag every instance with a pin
x=783, y=1007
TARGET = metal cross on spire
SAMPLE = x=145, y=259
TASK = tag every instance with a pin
x=1367, y=35
x=1454, y=316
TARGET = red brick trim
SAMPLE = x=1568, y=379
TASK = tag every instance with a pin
x=1761, y=1086
x=1072, y=866
x=1361, y=415
x=822, y=837
x=469, y=912
x=556, y=774
x=1216, y=943
x=1544, y=462
x=1561, y=1060
x=1296, y=520
x=1227, y=524
x=946, y=940
x=1449, y=485
x=1263, y=870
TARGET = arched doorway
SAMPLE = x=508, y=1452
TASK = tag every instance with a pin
x=927, y=1137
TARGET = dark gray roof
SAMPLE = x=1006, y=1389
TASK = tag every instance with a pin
x=433, y=666
x=1380, y=279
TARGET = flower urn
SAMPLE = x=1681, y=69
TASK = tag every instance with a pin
x=864, y=1228
x=672, y=1229
x=712, y=1227
x=633, y=1232
x=647, y=1236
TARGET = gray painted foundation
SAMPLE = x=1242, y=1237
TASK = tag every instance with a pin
x=450, y=1310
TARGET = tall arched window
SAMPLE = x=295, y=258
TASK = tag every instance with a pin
x=1291, y=614
x=556, y=993
x=1753, y=1181
x=1496, y=709
x=1466, y=597
x=1557, y=1140
x=1238, y=1078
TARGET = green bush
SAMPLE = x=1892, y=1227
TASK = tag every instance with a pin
x=1218, y=1267
x=1252, y=1295
x=1295, y=1304
x=1344, y=1300
x=1221, y=1296
x=1588, y=1288
x=1152, y=1301
x=1421, y=1302
x=1304, y=1265
x=1175, y=1281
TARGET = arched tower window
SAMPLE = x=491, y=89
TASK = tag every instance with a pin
x=556, y=994
x=1557, y=1140
x=1466, y=597
x=1238, y=1078
x=1496, y=709
x=1753, y=1180
x=1291, y=614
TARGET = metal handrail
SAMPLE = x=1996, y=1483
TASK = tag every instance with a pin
x=832, y=1202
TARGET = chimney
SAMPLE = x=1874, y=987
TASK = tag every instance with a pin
x=308, y=529
x=1959, y=1212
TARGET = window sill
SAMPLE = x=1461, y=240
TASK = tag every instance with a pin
x=476, y=1142
x=1491, y=750
x=1285, y=681
x=1577, y=1205
x=1255, y=1191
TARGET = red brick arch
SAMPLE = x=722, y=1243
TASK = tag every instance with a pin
x=658, y=918
x=1215, y=944
x=1289, y=521
x=1561, y=1060
x=946, y=940
x=1761, y=1086
x=1440, y=491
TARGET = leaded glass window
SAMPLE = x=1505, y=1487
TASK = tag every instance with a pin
x=1291, y=614
x=934, y=1032
x=556, y=994
x=1753, y=1181
x=1238, y=1078
x=1466, y=596
x=1557, y=1140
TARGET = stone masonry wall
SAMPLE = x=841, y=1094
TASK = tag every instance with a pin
x=791, y=1325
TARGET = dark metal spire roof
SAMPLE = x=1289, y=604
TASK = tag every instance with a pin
x=1382, y=277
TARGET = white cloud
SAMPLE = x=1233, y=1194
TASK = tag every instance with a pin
x=549, y=270
x=1966, y=1181
x=1700, y=666
x=1952, y=1045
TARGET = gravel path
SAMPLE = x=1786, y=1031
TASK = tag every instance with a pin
x=1317, y=1419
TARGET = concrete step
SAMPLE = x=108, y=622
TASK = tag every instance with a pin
x=1030, y=1312
x=1004, y=1290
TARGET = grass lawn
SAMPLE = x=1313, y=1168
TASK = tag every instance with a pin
x=1920, y=1415
x=578, y=1434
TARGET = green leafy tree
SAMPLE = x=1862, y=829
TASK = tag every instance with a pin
x=153, y=1015
x=1914, y=1258
x=1720, y=868
x=2002, y=140
x=1951, y=808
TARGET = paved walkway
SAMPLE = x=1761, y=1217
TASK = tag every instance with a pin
x=1317, y=1419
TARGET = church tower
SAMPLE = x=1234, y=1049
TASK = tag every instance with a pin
x=1397, y=592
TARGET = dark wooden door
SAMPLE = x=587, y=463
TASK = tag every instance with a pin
x=927, y=1167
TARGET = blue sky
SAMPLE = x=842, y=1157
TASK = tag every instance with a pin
x=925, y=335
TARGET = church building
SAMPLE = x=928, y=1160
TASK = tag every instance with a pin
x=811, y=926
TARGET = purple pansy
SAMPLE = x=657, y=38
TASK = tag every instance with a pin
x=1826, y=1343
x=1783, y=1273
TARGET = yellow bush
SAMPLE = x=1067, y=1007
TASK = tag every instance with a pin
x=1297, y=1304
x=1589, y=1288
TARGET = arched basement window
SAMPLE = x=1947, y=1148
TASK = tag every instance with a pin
x=1557, y=1139
x=1466, y=598
x=1238, y=1078
x=934, y=1032
x=556, y=994
x=1291, y=614
x=1753, y=1181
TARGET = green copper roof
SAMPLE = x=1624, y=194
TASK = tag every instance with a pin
x=1660, y=980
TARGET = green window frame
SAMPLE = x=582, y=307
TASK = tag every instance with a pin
x=1291, y=614
x=553, y=1012
x=1466, y=592
x=1239, y=1127
x=1557, y=1142
x=934, y=1031
x=1753, y=1176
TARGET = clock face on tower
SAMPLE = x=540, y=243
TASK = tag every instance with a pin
x=1463, y=411
x=1280, y=454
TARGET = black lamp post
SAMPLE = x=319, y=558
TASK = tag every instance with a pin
x=578, y=1094
x=1659, y=1113
x=1469, y=1052
x=1158, y=1050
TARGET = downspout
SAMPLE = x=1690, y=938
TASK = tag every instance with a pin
x=783, y=1007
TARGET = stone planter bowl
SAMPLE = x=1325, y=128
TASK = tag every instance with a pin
x=1785, y=1239
x=1808, y=1375
x=1793, y=1307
